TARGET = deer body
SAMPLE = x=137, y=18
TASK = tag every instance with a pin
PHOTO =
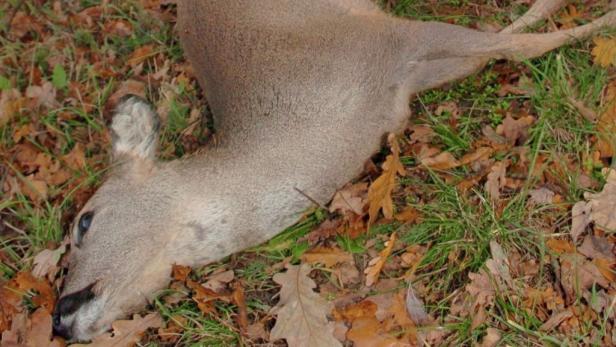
x=302, y=92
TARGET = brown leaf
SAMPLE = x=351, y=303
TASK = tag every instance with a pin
x=32, y=332
x=10, y=104
x=415, y=307
x=373, y=270
x=240, y=301
x=442, y=161
x=515, y=129
x=44, y=296
x=46, y=262
x=496, y=180
x=555, y=320
x=126, y=333
x=541, y=196
x=218, y=281
x=379, y=193
x=577, y=275
x=604, y=52
x=76, y=158
x=180, y=272
x=491, y=339
x=44, y=95
x=326, y=256
x=597, y=247
x=301, y=313
x=351, y=197
x=560, y=246
x=499, y=267
x=480, y=153
x=580, y=219
x=140, y=54
x=603, y=204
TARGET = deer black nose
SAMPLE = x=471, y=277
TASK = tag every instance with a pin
x=66, y=306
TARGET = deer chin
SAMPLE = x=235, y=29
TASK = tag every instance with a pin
x=89, y=320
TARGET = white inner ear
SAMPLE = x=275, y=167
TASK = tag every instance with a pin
x=135, y=129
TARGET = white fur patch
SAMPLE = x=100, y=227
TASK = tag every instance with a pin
x=135, y=129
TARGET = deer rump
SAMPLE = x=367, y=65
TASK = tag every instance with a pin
x=302, y=92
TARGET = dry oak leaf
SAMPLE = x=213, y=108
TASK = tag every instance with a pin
x=603, y=204
x=496, y=180
x=373, y=270
x=11, y=102
x=351, y=197
x=499, y=266
x=379, y=193
x=604, y=52
x=301, y=313
x=441, y=161
x=140, y=54
x=515, y=129
x=46, y=261
x=26, y=282
x=606, y=124
x=327, y=256
x=34, y=331
x=126, y=333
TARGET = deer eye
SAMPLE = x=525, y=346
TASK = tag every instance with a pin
x=84, y=224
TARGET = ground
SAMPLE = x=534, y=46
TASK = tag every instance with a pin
x=494, y=236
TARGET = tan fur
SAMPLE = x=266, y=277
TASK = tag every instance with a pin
x=302, y=92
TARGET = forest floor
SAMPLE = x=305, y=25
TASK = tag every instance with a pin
x=501, y=230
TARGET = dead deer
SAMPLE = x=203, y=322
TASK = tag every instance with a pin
x=302, y=92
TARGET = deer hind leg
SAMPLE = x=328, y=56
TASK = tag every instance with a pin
x=448, y=70
x=449, y=41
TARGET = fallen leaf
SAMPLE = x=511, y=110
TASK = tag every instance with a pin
x=604, y=52
x=541, y=196
x=301, y=314
x=10, y=104
x=597, y=247
x=496, y=180
x=140, y=54
x=578, y=274
x=479, y=154
x=44, y=297
x=126, y=333
x=351, y=197
x=46, y=262
x=580, y=219
x=43, y=95
x=379, y=193
x=515, y=129
x=555, y=320
x=415, y=307
x=560, y=246
x=218, y=281
x=442, y=161
x=180, y=272
x=498, y=265
x=482, y=295
x=491, y=339
x=33, y=331
x=603, y=204
x=373, y=270
x=239, y=300
x=326, y=256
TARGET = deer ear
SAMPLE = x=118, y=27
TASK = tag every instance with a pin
x=134, y=129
